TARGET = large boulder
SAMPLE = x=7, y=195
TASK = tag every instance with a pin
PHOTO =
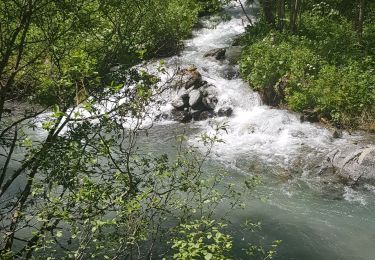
x=187, y=78
x=354, y=166
x=218, y=54
x=195, y=99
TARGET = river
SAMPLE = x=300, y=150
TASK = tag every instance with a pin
x=316, y=217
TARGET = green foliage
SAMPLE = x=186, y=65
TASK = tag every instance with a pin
x=210, y=6
x=265, y=62
x=55, y=51
x=331, y=36
x=201, y=239
x=346, y=95
x=324, y=66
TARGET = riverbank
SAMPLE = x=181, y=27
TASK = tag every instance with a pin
x=322, y=69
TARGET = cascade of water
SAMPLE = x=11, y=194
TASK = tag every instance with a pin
x=276, y=135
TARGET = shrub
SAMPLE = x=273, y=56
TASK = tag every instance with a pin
x=210, y=6
x=266, y=62
x=332, y=36
x=346, y=95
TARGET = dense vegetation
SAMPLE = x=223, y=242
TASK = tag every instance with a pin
x=74, y=183
x=315, y=57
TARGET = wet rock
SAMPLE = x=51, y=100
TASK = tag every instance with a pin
x=183, y=93
x=230, y=72
x=311, y=116
x=218, y=54
x=115, y=68
x=210, y=102
x=201, y=115
x=7, y=111
x=337, y=133
x=208, y=90
x=206, y=115
x=355, y=167
x=233, y=54
x=187, y=78
x=225, y=111
x=195, y=99
x=195, y=114
x=274, y=95
x=162, y=116
x=367, y=157
x=181, y=102
x=183, y=116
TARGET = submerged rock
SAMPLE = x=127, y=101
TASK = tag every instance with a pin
x=230, y=72
x=218, y=54
x=225, y=111
x=183, y=116
x=206, y=115
x=233, y=54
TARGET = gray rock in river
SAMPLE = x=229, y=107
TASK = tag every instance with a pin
x=206, y=115
x=230, y=72
x=181, y=102
x=354, y=166
x=187, y=78
x=195, y=99
x=218, y=54
x=183, y=116
x=225, y=111
x=210, y=102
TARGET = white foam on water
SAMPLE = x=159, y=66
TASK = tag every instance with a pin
x=354, y=196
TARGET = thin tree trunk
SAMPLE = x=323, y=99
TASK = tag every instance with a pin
x=244, y=11
x=361, y=7
x=267, y=10
x=281, y=14
x=294, y=10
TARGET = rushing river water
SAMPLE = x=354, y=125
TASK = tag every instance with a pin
x=316, y=218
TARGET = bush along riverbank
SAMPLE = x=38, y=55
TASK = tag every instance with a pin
x=317, y=58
